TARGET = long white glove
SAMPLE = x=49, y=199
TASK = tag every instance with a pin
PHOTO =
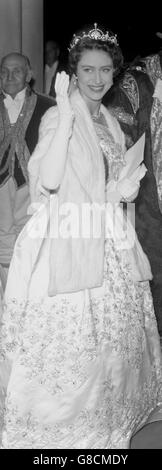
x=127, y=186
x=62, y=98
x=52, y=166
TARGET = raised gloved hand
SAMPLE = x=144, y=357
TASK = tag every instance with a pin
x=62, y=98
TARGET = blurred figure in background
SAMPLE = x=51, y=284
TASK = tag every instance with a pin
x=52, y=53
x=136, y=100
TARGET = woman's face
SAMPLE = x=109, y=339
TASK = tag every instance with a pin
x=95, y=75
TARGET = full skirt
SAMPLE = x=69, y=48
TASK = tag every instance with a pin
x=82, y=370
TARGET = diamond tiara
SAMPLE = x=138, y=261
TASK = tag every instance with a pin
x=96, y=34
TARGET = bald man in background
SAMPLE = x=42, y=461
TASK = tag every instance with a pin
x=21, y=110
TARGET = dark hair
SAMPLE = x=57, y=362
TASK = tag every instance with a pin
x=54, y=44
x=86, y=43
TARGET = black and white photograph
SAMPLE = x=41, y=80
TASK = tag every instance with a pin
x=80, y=231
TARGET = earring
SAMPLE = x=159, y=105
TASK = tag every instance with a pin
x=75, y=80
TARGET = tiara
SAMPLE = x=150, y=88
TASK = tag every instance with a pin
x=96, y=34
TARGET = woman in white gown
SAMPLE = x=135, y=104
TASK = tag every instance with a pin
x=79, y=335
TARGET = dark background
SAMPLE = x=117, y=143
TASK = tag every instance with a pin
x=136, y=24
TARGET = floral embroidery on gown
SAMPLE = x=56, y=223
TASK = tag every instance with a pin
x=86, y=366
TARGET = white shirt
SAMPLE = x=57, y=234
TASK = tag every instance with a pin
x=14, y=105
x=49, y=73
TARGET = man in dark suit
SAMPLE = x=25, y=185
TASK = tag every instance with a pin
x=53, y=63
x=52, y=66
x=21, y=110
x=136, y=102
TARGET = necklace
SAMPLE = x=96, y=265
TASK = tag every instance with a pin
x=96, y=116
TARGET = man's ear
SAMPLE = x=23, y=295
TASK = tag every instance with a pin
x=29, y=75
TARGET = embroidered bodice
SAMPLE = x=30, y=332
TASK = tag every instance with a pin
x=112, y=151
